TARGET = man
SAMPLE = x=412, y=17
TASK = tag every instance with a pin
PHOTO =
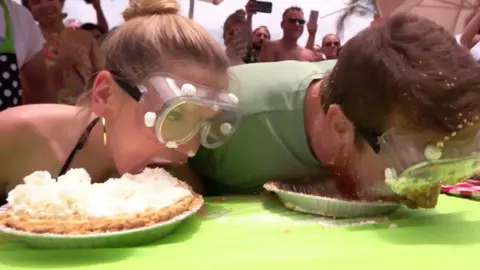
x=307, y=121
x=259, y=36
x=21, y=57
x=287, y=48
x=94, y=29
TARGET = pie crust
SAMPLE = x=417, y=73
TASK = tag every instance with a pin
x=80, y=225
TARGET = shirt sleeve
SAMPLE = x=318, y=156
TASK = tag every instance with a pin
x=33, y=35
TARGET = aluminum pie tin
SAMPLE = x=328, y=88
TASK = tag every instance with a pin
x=126, y=238
x=331, y=207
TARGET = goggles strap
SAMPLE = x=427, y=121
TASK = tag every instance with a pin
x=371, y=138
x=131, y=90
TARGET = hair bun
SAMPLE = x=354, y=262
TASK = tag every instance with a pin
x=142, y=8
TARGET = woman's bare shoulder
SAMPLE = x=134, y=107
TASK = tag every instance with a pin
x=21, y=124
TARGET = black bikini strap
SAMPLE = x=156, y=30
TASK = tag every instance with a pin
x=80, y=144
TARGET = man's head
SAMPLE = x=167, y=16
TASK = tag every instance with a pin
x=407, y=75
x=45, y=10
x=293, y=23
x=260, y=35
x=96, y=30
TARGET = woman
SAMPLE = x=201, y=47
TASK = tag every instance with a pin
x=236, y=36
x=170, y=77
x=330, y=46
x=71, y=54
x=394, y=82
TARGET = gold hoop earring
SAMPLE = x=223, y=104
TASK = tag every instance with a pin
x=104, y=132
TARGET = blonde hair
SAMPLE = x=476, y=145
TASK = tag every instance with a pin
x=156, y=38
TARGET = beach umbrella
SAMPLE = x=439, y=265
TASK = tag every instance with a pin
x=451, y=14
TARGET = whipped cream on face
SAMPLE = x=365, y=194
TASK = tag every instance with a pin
x=74, y=193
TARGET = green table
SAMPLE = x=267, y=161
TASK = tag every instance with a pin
x=258, y=233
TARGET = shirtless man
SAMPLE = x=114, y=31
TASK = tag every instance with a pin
x=293, y=24
x=71, y=55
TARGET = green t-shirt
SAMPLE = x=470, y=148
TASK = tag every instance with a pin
x=270, y=143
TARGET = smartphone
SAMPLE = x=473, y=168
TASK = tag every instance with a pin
x=313, y=16
x=263, y=7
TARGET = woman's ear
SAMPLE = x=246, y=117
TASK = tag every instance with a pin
x=102, y=93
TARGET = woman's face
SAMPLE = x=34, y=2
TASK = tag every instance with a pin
x=132, y=144
x=330, y=46
x=230, y=33
x=45, y=10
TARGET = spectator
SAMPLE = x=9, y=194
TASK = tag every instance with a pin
x=70, y=54
x=287, y=48
x=330, y=46
x=471, y=34
x=318, y=54
x=101, y=20
x=259, y=36
x=20, y=56
x=235, y=37
x=94, y=29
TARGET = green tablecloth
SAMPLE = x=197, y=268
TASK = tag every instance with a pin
x=258, y=233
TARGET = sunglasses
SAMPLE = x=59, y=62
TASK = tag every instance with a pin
x=295, y=21
x=332, y=44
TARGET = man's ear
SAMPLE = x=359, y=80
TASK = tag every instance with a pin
x=102, y=91
x=343, y=128
x=342, y=133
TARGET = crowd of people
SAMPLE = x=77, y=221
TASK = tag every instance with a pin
x=247, y=45
x=158, y=90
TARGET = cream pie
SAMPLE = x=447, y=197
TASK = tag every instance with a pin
x=73, y=205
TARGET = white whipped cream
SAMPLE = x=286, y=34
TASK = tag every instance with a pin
x=74, y=193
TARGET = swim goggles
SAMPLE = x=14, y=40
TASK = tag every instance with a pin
x=415, y=163
x=179, y=111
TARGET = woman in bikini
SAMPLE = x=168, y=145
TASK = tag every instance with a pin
x=399, y=90
x=145, y=108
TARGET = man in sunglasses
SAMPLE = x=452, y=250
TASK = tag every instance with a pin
x=287, y=48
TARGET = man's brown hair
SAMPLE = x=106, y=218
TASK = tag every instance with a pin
x=292, y=8
x=406, y=68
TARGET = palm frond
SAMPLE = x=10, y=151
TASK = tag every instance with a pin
x=356, y=7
